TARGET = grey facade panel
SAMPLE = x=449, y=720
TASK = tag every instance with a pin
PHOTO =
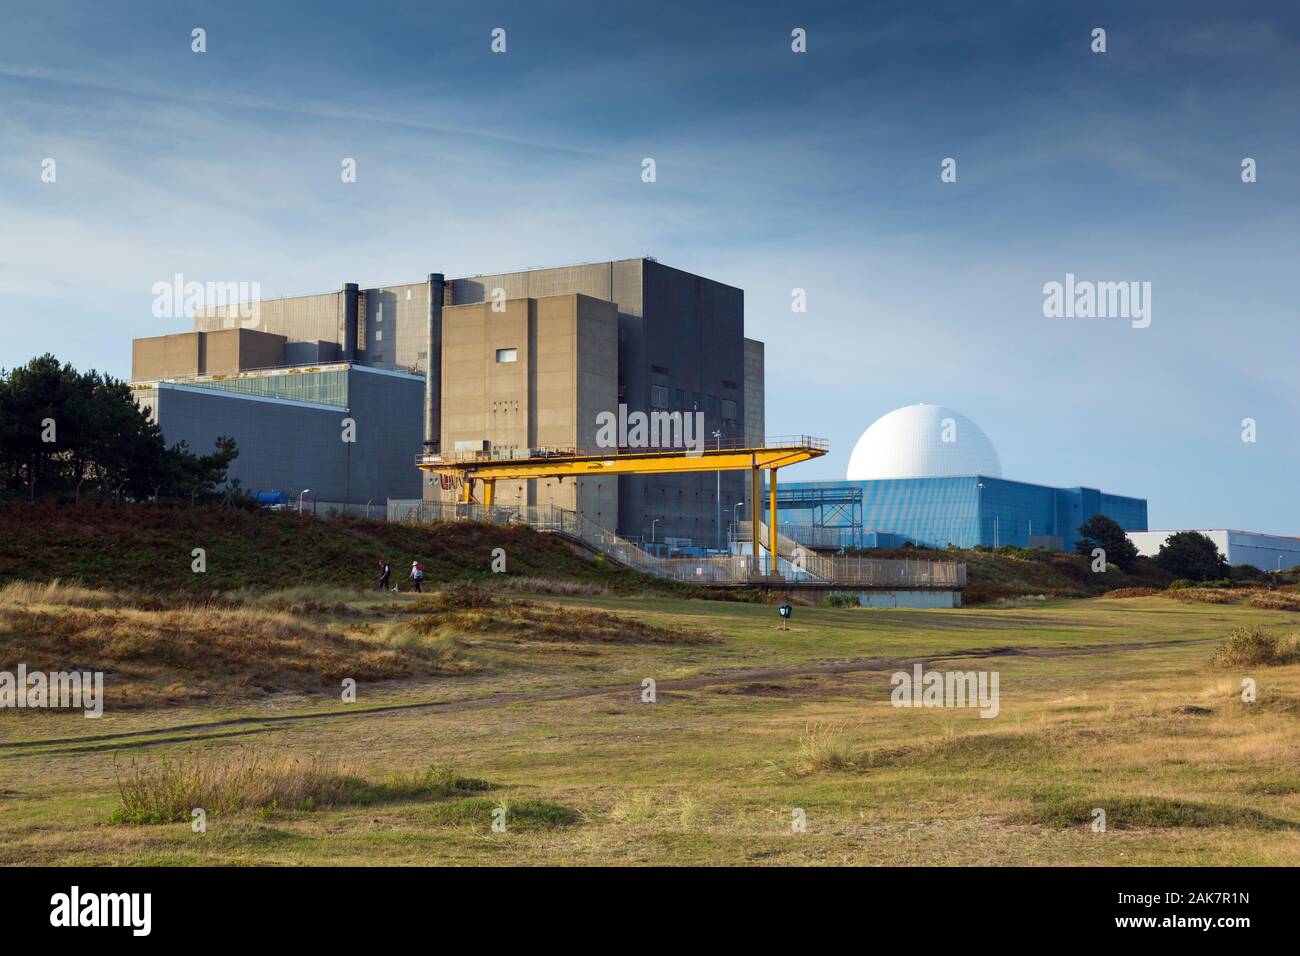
x=289, y=446
x=306, y=318
x=394, y=328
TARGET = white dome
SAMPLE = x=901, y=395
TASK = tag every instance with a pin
x=923, y=441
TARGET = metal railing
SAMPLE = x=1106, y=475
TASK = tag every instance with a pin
x=794, y=563
x=868, y=572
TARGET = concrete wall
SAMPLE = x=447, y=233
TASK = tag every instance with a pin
x=290, y=445
x=393, y=327
x=306, y=318
x=565, y=352
x=204, y=353
x=166, y=356
x=692, y=343
x=234, y=350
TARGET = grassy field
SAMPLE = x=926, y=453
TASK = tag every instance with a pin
x=532, y=705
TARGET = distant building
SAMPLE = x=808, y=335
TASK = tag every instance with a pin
x=927, y=475
x=520, y=360
x=1268, y=552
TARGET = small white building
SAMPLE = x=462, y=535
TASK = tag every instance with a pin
x=1268, y=552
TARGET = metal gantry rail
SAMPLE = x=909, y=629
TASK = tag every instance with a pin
x=488, y=466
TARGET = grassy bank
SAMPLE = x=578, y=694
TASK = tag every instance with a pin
x=146, y=547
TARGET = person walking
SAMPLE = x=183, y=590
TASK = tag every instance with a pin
x=417, y=575
x=384, y=571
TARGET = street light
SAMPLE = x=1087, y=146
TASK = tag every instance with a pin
x=300, y=494
x=979, y=515
x=652, y=528
x=735, y=520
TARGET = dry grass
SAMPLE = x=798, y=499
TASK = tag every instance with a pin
x=1132, y=592
x=159, y=651
x=472, y=611
x=445, y=653
x=1251, y=597
x=168, y=790
x=532, y=585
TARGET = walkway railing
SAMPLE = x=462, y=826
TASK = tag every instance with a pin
x=867, y=572
x=797, y=564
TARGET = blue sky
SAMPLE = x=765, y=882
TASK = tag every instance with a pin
x=775, y=171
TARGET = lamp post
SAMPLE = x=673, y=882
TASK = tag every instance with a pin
x=652, y=528
x=979, y=515
x=300, y=494
x=734, y=519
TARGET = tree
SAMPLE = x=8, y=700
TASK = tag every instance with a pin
x=61, y=429
x=1103, y=532
x=1192, y=555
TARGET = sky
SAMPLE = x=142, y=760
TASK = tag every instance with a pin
x=774, y=171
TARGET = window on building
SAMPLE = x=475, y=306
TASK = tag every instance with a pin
x=710, y=403
x=679, y=397
x=728, y=410
x=379, y=335
x=658, y=396
x=507, y=355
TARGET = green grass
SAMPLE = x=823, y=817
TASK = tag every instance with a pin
x=147, y=547
x=478, y=812
x=1104, y=703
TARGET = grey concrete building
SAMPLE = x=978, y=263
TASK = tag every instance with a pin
x=290, y=427
x=680, y=348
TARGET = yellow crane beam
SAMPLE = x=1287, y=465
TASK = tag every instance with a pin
x=491, y=467
x=659, y=462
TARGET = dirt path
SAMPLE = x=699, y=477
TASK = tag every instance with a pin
x=253, y=725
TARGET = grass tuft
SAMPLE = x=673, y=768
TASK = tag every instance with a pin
x=1156, y=813
x=825, y=747
x=169, y=789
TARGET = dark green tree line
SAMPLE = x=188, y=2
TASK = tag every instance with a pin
x=68, y=432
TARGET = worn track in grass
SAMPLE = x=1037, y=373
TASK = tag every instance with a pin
x=254, y=724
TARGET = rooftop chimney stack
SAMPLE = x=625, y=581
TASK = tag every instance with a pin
x=433, y=364
x=348, y=341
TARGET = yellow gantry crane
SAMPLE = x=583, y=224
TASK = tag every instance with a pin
x=489, y=467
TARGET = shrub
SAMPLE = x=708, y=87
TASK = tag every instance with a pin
x=840, y=600
x=1131, y=592
x=1253, y=647
x=1202, y=596
x=1274, y=600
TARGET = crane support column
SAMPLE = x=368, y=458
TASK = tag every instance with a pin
x=489, y=491
x=755, y=512
x=771, y=521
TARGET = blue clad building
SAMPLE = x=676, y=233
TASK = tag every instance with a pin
x=928, y=476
